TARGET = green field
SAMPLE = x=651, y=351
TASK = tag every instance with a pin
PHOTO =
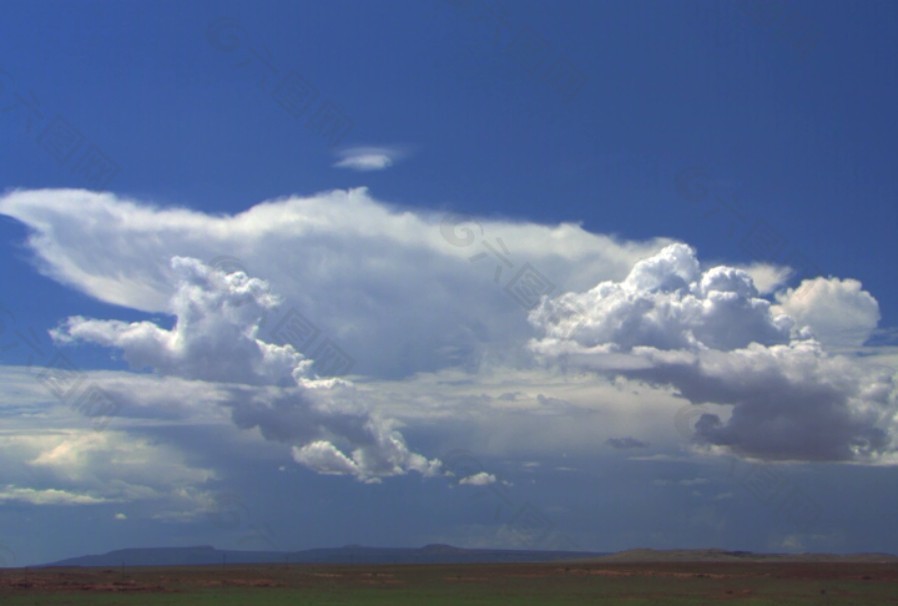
x=575, y=583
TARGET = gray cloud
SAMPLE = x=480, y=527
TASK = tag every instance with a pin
x=625, y=443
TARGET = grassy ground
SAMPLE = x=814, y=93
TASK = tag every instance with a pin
x=630, y=584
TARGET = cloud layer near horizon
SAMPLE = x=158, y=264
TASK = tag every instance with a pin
x=411, y=294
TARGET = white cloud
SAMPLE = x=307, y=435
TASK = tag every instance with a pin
x=46, y=496
x=837, y=312
x=369, y=158
x=666, y=303
x=324, y=457
x=214, y=337
x=478, y=479
x=767, y=278
x=710, y=335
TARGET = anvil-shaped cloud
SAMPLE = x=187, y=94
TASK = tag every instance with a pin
x=408, y=292
x=401, y=291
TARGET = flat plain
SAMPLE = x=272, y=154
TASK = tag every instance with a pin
x=630, y=583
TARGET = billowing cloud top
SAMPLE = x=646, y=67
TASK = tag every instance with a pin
x=666, y=302
x=709, y=335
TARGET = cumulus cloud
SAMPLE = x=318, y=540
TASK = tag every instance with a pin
x=478, y=479
x=837, y=312
x=268, y=386
x=665, y=303
x=214, y=338
x=710, y=335
x=368, y=158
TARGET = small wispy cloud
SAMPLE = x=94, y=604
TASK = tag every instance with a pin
x=369, y=158
x=625, y=443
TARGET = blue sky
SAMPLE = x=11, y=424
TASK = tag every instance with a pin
x=636, y=144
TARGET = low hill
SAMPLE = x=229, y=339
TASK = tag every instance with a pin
x=351, y=554
x=439, y=554
x=720, y=555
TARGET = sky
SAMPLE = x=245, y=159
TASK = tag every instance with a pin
x=569, y=275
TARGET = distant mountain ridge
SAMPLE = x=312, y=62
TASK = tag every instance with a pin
x=721, y=555
x=350, y=554
x=435, y=554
